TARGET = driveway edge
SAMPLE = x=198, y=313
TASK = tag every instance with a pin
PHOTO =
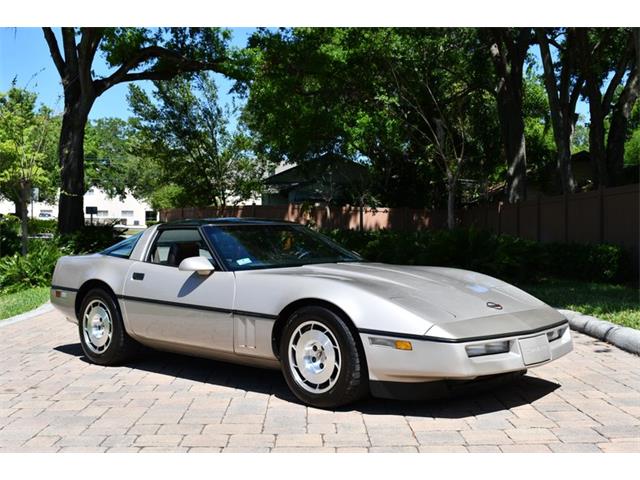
x=625, y=338
x=47, y=307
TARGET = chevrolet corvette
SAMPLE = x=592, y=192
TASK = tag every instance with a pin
x=279, y=295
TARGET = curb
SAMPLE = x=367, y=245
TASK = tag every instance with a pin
x=46, y=308
x=625, y=338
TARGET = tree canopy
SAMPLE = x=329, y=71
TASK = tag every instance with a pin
x=437, y=116
x=26, y=160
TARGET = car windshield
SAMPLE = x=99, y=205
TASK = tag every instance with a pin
x=246, y=247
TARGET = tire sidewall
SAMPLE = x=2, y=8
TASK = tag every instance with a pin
x=349, y=352
x=113, y=351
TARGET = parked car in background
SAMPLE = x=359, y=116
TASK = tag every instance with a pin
x=279, y=295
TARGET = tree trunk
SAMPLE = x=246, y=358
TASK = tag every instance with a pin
x=562, y=108
x=567, y=182
x=597, y=107
x=618, y=129
x=451, y=204
x=512, y=125
x=508, y=54
x=23, y=205
x=596, y=136
x=71, y=154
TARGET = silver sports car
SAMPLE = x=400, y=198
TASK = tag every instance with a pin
x=277, y=294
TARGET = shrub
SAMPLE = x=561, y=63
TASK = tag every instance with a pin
x=9, y=238
x=34, y=269
x=502, y=256
x=588, y=262
x=91, y=238
x=40, y=225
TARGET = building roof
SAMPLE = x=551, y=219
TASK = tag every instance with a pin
x=344, y=171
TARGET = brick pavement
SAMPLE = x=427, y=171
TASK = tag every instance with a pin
x=52, y=400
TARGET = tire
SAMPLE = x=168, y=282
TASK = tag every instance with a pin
x=321, y=359
x=102, y=335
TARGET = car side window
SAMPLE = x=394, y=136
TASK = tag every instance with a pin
x=172, y=246
x=124, y=248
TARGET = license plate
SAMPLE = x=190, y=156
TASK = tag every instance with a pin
x=535, y=349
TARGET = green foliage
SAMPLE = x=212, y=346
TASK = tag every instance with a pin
x=189, y=156
x=107, y=155
x=364, y=94
x=502, y=256
x=9, y=239
x=19, y=272
x=27, y=144
x=587, y=262
x=40, y=225
x=10, y=232
x=632, y=149
x=91, y=239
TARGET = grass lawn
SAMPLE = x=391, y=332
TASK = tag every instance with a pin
x=16, y=303
x=618, y=304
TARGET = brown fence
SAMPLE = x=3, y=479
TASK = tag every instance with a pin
x=602, y=216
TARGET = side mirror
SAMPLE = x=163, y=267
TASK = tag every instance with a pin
x=201, y=265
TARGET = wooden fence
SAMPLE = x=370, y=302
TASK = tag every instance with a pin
x=602, y=216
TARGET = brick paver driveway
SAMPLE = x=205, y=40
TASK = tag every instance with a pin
x=51, y=399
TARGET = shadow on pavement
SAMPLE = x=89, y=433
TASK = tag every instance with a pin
x=524, y=390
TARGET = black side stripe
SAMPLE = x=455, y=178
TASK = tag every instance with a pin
x=427, y=338
x=197, y=307
x=66, y=289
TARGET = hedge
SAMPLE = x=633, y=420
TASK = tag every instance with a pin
x=502, y=256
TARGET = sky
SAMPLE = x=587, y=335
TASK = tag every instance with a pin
x=24, y=55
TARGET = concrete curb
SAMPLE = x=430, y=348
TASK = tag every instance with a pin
x=47, y=307
x=625, y=338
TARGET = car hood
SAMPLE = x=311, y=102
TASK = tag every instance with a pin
x=445, y=294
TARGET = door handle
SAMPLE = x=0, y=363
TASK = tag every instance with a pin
x=138, y=276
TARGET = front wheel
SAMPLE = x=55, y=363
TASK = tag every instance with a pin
x=102, y=335
x=321, y=361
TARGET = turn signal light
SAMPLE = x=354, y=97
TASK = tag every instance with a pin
x=387, y=342
x=403, y=345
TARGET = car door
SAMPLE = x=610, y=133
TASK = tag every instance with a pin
x=173, y=307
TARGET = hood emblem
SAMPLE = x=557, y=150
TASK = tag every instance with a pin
x=497, y=306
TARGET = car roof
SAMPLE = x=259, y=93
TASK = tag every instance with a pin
x=191, y=222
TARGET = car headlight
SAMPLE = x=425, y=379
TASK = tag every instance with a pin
x=490, y=348
x=556, y=334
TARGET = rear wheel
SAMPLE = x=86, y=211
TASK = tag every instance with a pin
x=321, y=360
x=102, y=335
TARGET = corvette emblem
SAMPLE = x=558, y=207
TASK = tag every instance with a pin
x=497, y=306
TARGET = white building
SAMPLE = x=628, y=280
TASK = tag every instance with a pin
x=130, y=212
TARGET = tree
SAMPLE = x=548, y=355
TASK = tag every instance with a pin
x=601, y=52
x=319, y=93
x=435, y=85
x=563, y=93
x=108, y=155
x=331, y=91
x=184, y=135
x=133, y=54
x=620, y=115
x=24, y=135
x=508, y=48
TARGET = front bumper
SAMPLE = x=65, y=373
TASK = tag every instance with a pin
x=431, y=360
